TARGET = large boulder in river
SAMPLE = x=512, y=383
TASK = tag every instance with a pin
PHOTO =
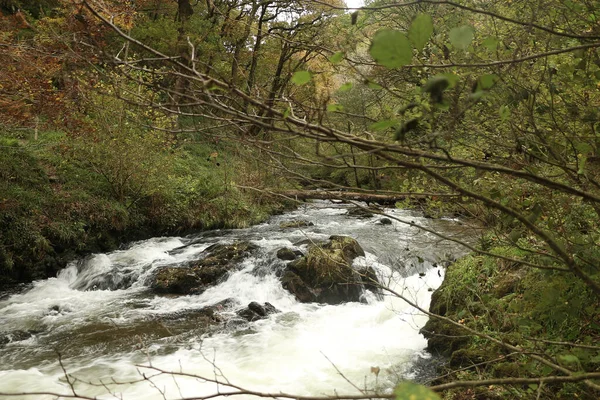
x=197, y=276
x=325, y=274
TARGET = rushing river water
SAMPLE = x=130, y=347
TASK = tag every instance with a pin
x=107, y=338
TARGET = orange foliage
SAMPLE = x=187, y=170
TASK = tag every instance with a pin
x=42, y=58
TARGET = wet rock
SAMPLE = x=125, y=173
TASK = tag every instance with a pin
x=467, y=357
x=347, y=245
x=295, y=224
x=370, y=281
x=286, y=254
x=443, y=338
x=199, y=275
x=325, y=274
x=58, y=310
x=385, y=221
x=295, y=285
x=309, y=242
x=130, y=334
x=206, y=316
x=255, y=311
x=7, y=291
x=359, y=213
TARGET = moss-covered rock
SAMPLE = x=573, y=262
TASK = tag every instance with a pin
x=287, y=254
x=464, y=357
x=443, y=338
x=325, y=274
x=295, y=224
x=196, y=277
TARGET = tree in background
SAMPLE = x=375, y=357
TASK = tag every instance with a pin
x=488, y=108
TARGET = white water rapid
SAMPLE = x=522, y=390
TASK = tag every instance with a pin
x=106, y=324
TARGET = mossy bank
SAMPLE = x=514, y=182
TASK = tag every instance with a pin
x=536, y=310
x=63, y=196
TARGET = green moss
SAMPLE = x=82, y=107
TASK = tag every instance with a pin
x=56, y=204
x=512, y=303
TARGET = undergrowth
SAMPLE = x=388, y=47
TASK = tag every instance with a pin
x=58, y=200
x=535, y=309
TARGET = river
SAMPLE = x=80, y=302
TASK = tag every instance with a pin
x=99, y=315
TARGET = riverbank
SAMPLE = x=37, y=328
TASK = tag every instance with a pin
x=59, y=200
x=527, y=311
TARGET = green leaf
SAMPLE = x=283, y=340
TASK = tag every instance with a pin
x=374, y=85
x=490, y=43
x=286, y=113
x=462, y=36
x=452, y=79
x=383, y=124
x=420, y=31
x=345, y=87
x=487, y=81
x=391, y=48
x=335, y=107
x=536, y=212
x=436, y=86
x=504, y=113
x=582, y=161
x=443, y=105
x=337, y=57
x=405, y=128
x=569, y=358
x=413, y=391
x=583, y=148
x=301, y=77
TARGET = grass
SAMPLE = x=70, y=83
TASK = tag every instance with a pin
x=57, y=201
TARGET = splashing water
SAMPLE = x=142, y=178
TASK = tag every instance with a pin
x=108, y=327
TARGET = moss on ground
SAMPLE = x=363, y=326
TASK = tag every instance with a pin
x=526, y=307
x=56, y=205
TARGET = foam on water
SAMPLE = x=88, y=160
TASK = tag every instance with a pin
x=308, y=349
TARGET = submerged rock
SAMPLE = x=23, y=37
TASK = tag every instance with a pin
x=15, y=336
x=196, y=277
x=325, y=274
x=255, y=311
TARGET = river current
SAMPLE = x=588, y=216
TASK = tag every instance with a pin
x=106, y=327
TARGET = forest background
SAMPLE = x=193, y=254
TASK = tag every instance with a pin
x=125, y=119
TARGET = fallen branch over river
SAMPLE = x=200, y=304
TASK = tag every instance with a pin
x=366, y=197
